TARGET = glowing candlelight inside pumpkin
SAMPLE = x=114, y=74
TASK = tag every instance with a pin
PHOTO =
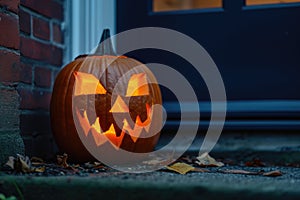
x=112, y=136
x=119, y=106
x=137, y=86
x=87, y=84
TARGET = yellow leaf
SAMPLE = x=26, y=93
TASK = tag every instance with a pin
x=39, y=169
x=181, y=168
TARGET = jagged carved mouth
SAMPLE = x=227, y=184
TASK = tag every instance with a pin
x=100, y=136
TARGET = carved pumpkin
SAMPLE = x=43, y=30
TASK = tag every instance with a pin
x=125, y=89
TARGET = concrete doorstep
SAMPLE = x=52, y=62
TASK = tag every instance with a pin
x=277, y=152
x=157, y=185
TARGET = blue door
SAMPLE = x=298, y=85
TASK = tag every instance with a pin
x=254, y=43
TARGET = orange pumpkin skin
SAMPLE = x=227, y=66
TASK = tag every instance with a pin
x=62, y=121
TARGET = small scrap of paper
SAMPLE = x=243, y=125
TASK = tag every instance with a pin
x=205, y=160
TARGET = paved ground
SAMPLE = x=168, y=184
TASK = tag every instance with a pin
x=158, y=185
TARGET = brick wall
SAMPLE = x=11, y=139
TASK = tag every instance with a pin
x=10, y=139
x=31, y=54
x=41, y=55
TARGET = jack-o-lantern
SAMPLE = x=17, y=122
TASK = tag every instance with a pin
x=117, y=87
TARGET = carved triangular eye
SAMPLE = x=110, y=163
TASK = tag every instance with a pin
x=119, y=106
x=137, y=85
x=87, y=84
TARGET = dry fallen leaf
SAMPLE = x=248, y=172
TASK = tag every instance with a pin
x=238, y=171
x=187, y=159
x=256, y=162
x=39, y=169
x=181, y=168
x=20, y=164
x=205, y=160
x=10, y=162
x=36, y=160
x=24, y=163
x=93, y=165
x=273, y=173
x=62, y=160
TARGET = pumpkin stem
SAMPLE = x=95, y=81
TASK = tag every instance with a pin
x=105, y=46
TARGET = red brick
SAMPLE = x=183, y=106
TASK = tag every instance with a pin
x=34, y=124
x=40, y=146
x=41, y=28
x=25, y=22
x=48, y=8
x=42, y=77
x=12, y=5
x=34, y=99
x=56, y=56
x=9, y=66
x=57, y=34
x=33, y=49
x=9, y=26
x=39, y=51
x=26, y=73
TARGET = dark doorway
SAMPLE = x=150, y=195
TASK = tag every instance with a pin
x=255, y=44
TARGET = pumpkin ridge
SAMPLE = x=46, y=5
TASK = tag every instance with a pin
x=68, y=90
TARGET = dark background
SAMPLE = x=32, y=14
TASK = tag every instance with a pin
x=257, y=51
